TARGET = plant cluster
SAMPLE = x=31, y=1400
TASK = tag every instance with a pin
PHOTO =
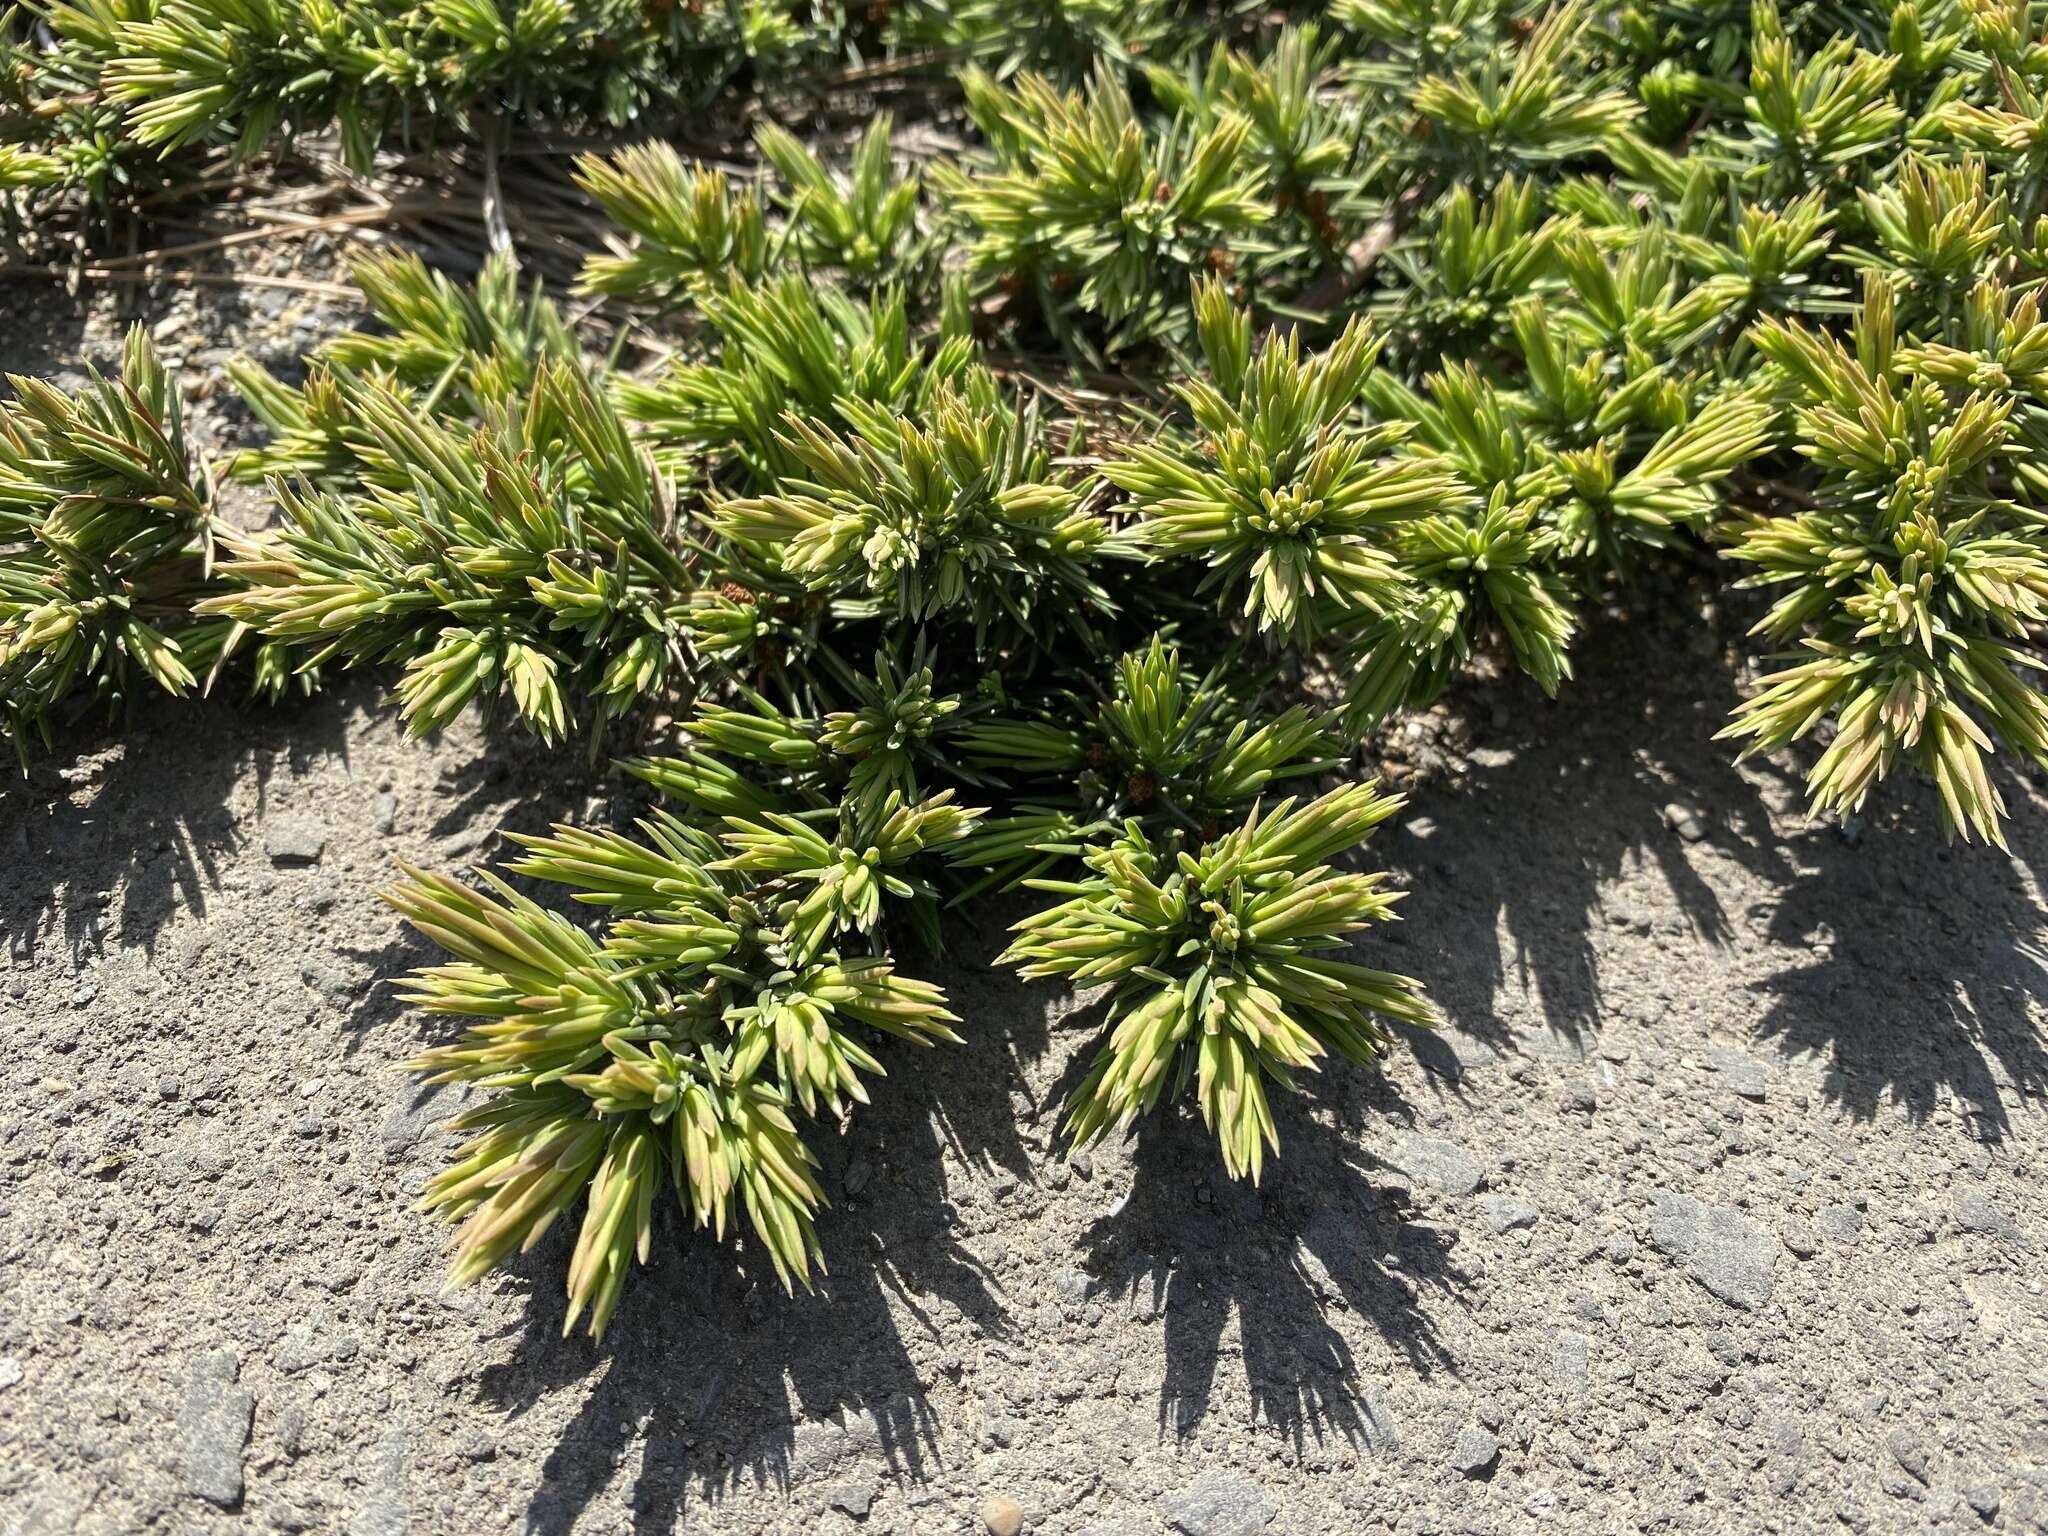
x=107, y=545
x=1059, y=518
x=94, y=93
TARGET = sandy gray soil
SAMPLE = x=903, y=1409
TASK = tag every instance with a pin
x=1719, y=1206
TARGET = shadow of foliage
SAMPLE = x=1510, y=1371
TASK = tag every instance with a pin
x=1315, y=1240
x=1923, y=968
x=706, y=1342
x=1507, y=854
x=128, y=823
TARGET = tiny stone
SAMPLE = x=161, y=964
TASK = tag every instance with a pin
x=1083, y=1166
x=1723, y=1250
x=382, y=1514
x=1974, y=1213
x=850, y=1499
x=1909, y=1453
x=1571, y=1358
x=1218, y=1504
x=1475, y=1451
x=1741, y=1075
x=1801, y=1239
x=293, y=840
x=1442, y=1165
x=1002, y=1516
x=1505, y=1213
x=329, y=982
x=1984, y=1499
x=214, y=1421
x=10, y=1372
x=1841, y=1223
x=409, y=1121
x=1685, y=821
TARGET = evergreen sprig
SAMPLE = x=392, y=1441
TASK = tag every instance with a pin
x=1097, y=209
x=1286, y=496
x=1221, y=966
x=683, y=1046
x=95, y=93
x=532, y=553
x=1917, y=579
x=107, y=538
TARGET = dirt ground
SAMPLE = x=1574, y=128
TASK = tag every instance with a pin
x=1718, y=1206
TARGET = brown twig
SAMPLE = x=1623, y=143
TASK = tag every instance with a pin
x=64, y=273
x=288, y=230
x=1338, y=284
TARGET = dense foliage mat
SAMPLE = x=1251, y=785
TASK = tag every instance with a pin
x=1060, y=517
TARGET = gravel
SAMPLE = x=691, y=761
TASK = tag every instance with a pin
x=1739, y=1073
x=294, y=840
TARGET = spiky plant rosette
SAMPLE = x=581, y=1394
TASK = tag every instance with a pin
x=729, y=998
x=1096, y=209
x=107, y=538
x=450, y=352
x=1062, y=39
x=1222, y=966
x=1917, y=581
x=687, y=234
x=1170, y=748
x=531, y=554
x=1111, y=788
x=1286, y=496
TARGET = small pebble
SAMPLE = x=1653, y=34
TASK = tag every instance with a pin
x=1909, y=1453
x=1476, y=1450
x=1685, y=821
